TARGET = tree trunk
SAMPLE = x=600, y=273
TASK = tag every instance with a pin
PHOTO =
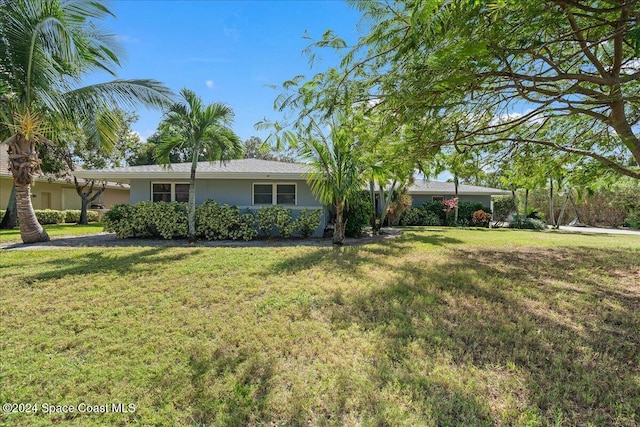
x=30, y=229
x=338, y=230
x=455, y=214
x=87, y=197
x=10, y=218
x=526, y=204
x=191, y=208
x=552, y=217
x=25, y=167
x=374, y=214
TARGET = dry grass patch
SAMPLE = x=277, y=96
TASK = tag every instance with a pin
x=438, y=327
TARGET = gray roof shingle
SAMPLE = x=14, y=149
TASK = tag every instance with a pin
x=448, y=188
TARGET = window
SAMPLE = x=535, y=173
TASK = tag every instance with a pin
x=263, y=194
x=438, y=198
x=286, y=194
x=169, y=192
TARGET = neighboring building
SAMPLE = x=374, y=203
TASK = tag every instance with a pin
x=50, y=192
x=429, y=191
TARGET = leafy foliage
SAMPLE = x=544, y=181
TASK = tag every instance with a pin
x=357, y=214
x=527, y=223
x=503, y=207
x=274, y=221
x=480, y=218
x=222, y=222
x=214, y=221
x=74, y=216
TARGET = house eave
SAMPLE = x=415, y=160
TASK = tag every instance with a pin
x=126, y=177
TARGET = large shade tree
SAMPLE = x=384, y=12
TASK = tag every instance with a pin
x=204, y=130
x=46, y=48
x=562, y=74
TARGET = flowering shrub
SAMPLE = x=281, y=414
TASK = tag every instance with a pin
x=274, y=221
x=306, y=223
x=221, y=222
x=480, y=218
x=450, y=204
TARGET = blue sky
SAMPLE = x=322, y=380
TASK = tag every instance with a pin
x=225, y=51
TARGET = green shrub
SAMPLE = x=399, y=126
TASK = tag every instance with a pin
x=73, y=215
x=412, y=216
x=50, y=216
x=274, y=221
x=357, y=214
x=527, y=223
x=147, y=219
x=466, y=211
x=221, y=222
x=434, y=209
x=503, y=207
x=306, y=223
x=633, y=218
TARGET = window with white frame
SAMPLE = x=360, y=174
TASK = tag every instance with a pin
x=169, y=192
x=266, y=193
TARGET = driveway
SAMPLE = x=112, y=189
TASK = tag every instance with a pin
x=595, y=230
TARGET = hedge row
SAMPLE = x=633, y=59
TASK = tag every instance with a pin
x=433, y=213
x=213, y=221
x=51, y=216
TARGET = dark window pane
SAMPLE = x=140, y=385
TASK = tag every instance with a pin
x=262, y=199
x=286, y=194
x=162, y=188
x=182, y=192
x=286, y=199
x=161, y=197
x=263, y=194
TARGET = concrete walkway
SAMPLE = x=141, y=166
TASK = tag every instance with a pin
x=109, y=240
x=595, y=230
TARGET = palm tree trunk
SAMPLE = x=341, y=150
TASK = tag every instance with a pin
x=191, y=208
x=338, y=231
x=30, y=229
x=25, y=166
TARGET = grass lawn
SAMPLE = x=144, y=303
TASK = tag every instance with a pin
x=54, y=230
x=437, y=327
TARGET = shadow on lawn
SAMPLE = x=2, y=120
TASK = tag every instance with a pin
x=108, y=263
x=573, y=340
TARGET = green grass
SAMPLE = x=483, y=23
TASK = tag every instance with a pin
x=438, y=327
x=54, y=230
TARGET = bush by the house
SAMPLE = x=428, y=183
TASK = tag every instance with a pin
x=466, y=211
x=50, y=216
x=420, y=216
x=503, y=207
x=435, y=210
x=224, y=222
x=480, y=218
x=274, y=221
x=73, y=215
x=357, y=214
x=306, y=223
x=213, y=221
x=527, y=223
x=147, y=219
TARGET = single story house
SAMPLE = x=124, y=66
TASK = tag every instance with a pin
x=51, y=192
x=429, y=191
x=252, y=183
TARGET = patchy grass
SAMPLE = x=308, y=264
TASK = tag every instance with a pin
x=438, y=327
x=54, y=230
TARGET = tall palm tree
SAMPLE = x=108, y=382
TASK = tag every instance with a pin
x=338, y=170
x=205, y=132
x=46, y=47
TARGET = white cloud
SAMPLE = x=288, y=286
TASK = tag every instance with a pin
x=209, y=84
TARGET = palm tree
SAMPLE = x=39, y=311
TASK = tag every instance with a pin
x=205, y=132
x=338, y=170
x=46, y=47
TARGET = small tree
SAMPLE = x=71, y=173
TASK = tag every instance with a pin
x=205, y=131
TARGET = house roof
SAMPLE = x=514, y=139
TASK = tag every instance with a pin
x=448, y=188
x=232, y=169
